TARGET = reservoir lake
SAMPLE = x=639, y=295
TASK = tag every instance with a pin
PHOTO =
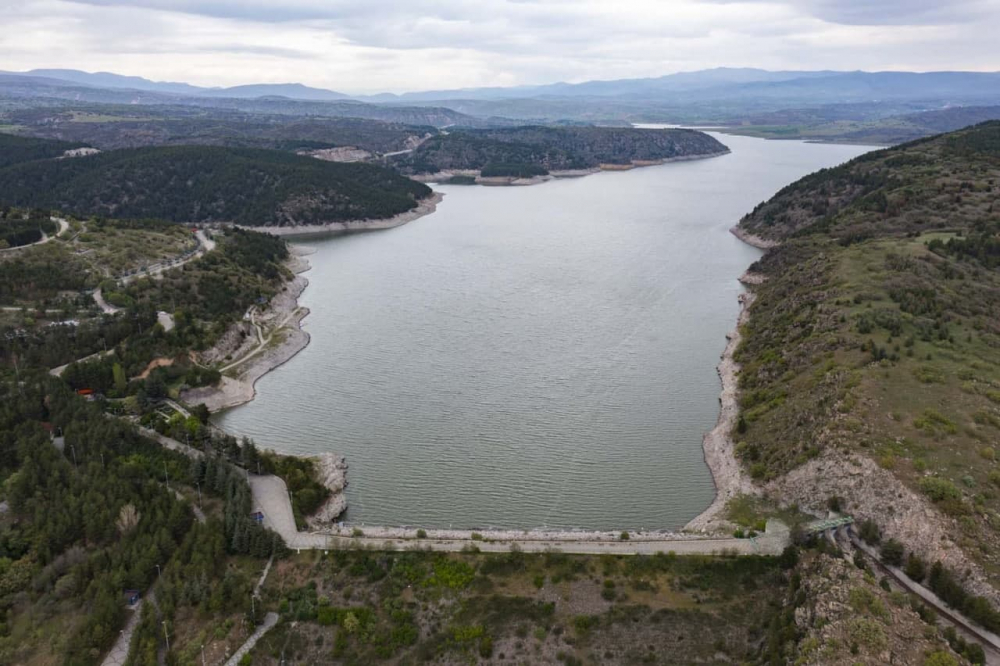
x=529, y=356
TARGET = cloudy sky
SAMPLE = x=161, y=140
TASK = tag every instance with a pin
x=400, y=45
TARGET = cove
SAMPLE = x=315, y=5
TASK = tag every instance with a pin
x=533, y=356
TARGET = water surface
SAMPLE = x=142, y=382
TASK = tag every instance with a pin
x=524, y=357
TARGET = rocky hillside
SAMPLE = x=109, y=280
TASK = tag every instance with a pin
x=871, y=362
x=843, y=616
x=211, y=184
x=555, y=148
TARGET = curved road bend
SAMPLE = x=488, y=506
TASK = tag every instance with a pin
x=205, y=244
x=63, y=226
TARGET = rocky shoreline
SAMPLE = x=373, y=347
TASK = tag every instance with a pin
x=285, y=319
x=515, y=181
x=719, y=449
x=331, y=471
x=751, y=239
x=425, y=207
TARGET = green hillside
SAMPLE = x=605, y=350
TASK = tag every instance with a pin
x=211, y=184
x=877, y=334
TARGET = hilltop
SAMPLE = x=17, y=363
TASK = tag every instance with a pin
x=212, y=184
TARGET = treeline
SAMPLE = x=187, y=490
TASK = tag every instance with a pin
x=982, y=244
x=554, y=148
x=212, y=184
x=18, y=149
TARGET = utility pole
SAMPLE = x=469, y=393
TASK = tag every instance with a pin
x=166, y=636
x=202, y=655
x=198, y=483
x=166, y=479
x=73, y=448
x=158, y=572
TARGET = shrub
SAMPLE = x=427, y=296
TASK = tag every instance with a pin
x=789, y=557
x=421, y=534
x=623, y=536
x=892, y=552
x=915, y=568
x=935, y=423
x=939, y=490
x=869, y=532
x=940, y=659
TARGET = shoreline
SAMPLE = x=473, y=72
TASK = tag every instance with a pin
x=240, y=389
x=425, y=207
x=717, y=445
x=752, y=240
x=443, y=176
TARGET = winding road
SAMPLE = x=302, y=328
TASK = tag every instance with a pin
x=63, y=226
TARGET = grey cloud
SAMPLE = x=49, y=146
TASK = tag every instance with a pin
x=889, y=12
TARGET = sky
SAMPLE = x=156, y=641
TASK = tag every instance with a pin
x=368, y=46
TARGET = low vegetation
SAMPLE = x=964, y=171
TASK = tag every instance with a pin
x=877, y=329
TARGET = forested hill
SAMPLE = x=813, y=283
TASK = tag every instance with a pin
x=870, y=377
x=211, y=184
x=554, y=148
x=923, y=185
x=113, y=126
x=17, y=149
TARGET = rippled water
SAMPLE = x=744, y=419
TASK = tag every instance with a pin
x=529, y=356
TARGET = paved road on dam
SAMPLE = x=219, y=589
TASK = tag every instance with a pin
x=270, y=496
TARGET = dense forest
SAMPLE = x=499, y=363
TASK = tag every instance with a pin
x=211, y=184
x=93, y=514
x=18, y=149
x=875, y=333
x=554, y=148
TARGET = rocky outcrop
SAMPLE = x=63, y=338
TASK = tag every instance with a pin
x=331, y=471
x=845, y=618
x=871, y=492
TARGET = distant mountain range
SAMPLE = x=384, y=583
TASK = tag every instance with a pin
x=109, y=80
x=719, y=83
x=722, y=95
